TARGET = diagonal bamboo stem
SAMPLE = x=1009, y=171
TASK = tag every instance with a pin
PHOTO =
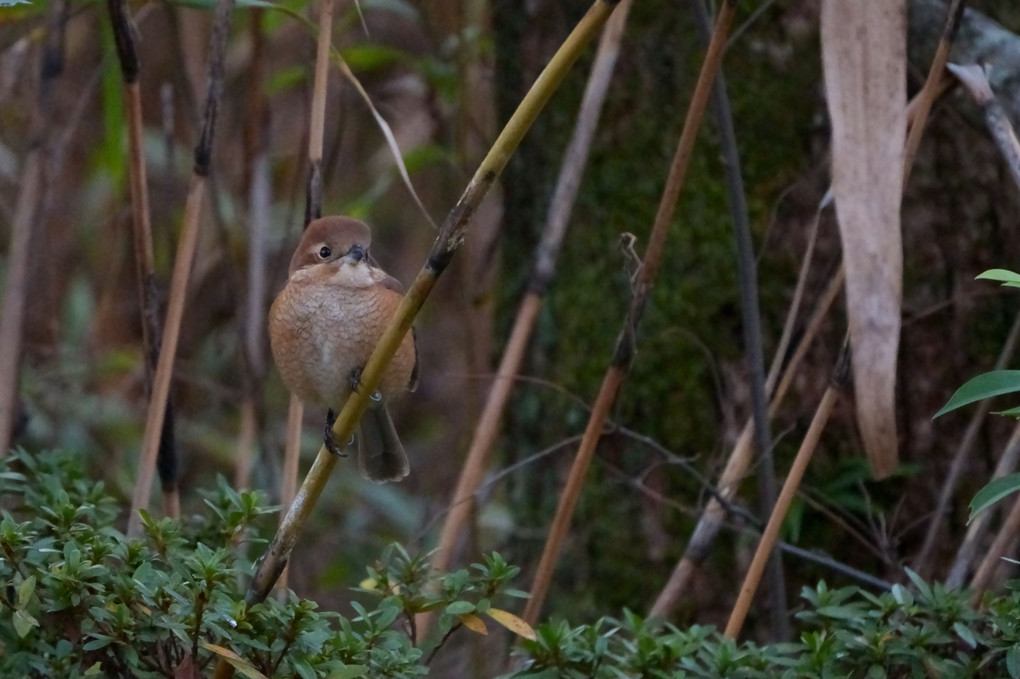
x=450, y=238
x=625, y=347
x=547, y=252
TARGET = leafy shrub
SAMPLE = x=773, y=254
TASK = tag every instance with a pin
x=926, y=631
x=78, y=598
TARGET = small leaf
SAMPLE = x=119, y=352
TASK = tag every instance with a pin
x=993, y=492
x=512, y=623
x=1013, y=662
x=236, y=661
x=1003, y=276
x=460, y=608
x=25, y=591
x=368, y=583
x=473, y=623
x=23, y=623
x=965, y=633
x=986, y=385
x=94, y=671
x=349, y=672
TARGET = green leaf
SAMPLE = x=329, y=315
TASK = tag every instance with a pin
x=349, y=672
x=981, y=387
x=460, y=608
x=1013, y=661
x=993, y=492
x=25, y=591
x=1007, y=278
x=965, y=633
x=23, y=623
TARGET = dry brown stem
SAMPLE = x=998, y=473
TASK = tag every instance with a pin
x=625, y=347
x=547, y=252
x=800, y=463
x=182, y=268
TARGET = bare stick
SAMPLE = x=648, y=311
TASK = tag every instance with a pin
x=979, y=526
x=625, y=345
x=449, y=240
x=546, y=255
x=923, y=562
x=800, y=463
x=182, y=268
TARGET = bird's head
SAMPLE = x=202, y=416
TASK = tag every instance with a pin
x=342, y=240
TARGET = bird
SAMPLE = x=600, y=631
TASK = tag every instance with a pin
x=324, y=325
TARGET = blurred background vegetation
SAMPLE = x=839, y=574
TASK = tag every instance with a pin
x=446, y=76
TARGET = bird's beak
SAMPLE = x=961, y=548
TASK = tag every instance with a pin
x=355, y=254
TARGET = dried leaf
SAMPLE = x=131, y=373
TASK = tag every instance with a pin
x=512, y=623
x=864, y=57
x=473, y=623
x=236, y=661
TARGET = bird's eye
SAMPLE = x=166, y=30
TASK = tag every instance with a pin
x=325, y=252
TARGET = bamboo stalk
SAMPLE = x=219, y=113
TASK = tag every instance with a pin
x=124, y=32
x=313, y=210
x=800, y=463
x=710, y=522
x=448, y=241
x=182, y=268
x=747, y=273
x=546, y=255
x=625, y=346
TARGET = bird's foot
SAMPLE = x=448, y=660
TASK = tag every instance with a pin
x=329, y=436
x=355, y=383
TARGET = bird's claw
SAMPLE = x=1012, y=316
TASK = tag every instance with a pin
x=329, y=437
x=356, y=385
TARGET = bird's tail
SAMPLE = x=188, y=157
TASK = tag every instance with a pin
x=381, y=457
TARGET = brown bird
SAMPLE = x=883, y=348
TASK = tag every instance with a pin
x=323, y=327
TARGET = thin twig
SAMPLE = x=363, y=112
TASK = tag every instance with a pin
x=625, y=345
